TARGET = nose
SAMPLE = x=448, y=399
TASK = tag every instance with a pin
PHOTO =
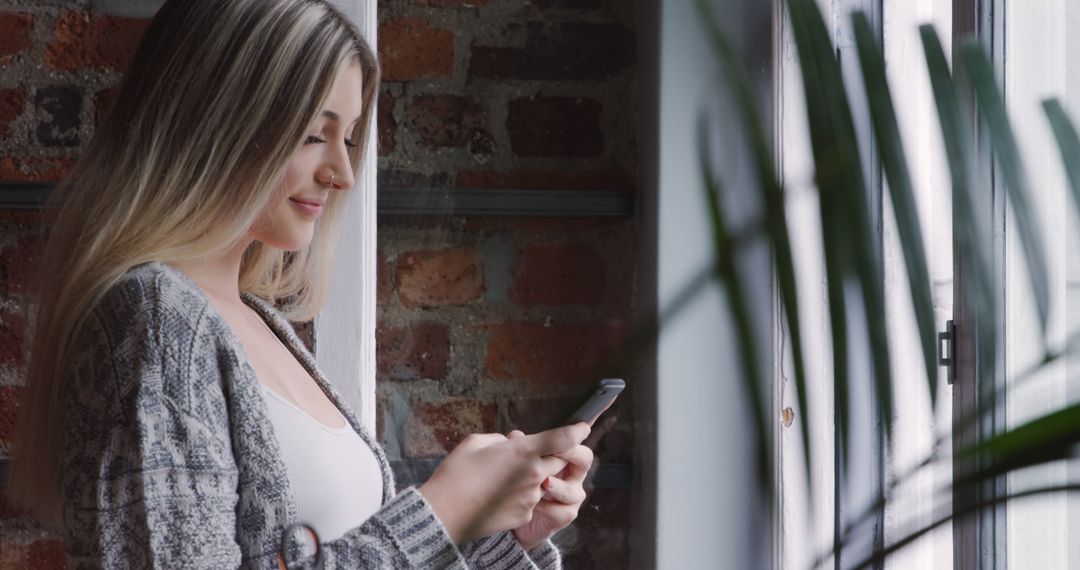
x=341, y=179
x=341, y=166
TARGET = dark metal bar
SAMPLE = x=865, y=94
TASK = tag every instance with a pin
x=428, y=201
x=23, y=195
x=607, y=475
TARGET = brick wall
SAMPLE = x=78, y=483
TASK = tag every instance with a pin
x=57, y=63
x=491, y=324
x=485, y=324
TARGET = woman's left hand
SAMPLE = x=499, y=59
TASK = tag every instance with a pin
x=563, y=495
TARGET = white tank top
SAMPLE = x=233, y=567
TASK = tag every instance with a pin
x=333, y=474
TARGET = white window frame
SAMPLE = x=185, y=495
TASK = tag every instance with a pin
x=345, y=329
x=804, y=529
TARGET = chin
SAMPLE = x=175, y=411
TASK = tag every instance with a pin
x=288, y=243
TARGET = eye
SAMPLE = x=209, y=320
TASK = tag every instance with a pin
x=312, y=139
x=350, y=144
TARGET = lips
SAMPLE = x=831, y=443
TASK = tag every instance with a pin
x=310, y=208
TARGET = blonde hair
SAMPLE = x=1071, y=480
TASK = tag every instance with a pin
x=217, y=99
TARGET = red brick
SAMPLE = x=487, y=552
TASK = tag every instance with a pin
x=567, y=127
x=453, y=3
x=19, y=266
x=10, y=399
x=12, y=338
x=412, y=352
x=83, y=40
x=609, y=179
x=434, y=429
x=436, y=278
x=380, y=420
x=445, y=120
x=46, y=555
x=383, y=285
x=17, y=28
x=561, y=274
x=569, y=4
x=619, y=250
x=410, y=48
x=540, y=227
x=34, y=168
x=12, y=554
x=387, y=124
x=538, y=414
x=11, y=106
x=571, y=51
x=565, y=354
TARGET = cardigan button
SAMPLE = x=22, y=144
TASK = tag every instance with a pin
x=300, y=548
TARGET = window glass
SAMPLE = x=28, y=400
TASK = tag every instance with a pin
x=1042, y=62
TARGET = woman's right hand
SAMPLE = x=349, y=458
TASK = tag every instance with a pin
x=489, y=483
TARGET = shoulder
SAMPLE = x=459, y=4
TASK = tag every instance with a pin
x=151, y=343
x=152, y=289
x=153, y=322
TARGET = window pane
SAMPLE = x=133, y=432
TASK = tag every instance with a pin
x=1041, y=63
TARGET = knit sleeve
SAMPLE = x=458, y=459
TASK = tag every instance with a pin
x=404, y=533
x=503, y=551
x=147, y=475
x=418, y=540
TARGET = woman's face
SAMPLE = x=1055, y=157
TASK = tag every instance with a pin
x=319, y=166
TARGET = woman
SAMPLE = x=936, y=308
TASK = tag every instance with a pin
x=173, y=419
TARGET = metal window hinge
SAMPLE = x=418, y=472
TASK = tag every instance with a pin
x=947, y=350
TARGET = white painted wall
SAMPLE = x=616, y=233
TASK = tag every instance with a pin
x=706, y=480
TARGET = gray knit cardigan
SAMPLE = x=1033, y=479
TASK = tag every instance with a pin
x=169, y=459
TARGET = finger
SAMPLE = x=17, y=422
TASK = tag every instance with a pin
x=479, y=440
x=558, y=439
x=556, y=514
x=573, y=473
x=552, y=465
x=580, y=456
x=563, y=492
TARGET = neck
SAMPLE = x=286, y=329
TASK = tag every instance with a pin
x=218, y=277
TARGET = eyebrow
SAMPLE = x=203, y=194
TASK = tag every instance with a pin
x=334, y=116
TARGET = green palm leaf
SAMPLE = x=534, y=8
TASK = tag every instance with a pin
x=973, y=237
x=992, y=107
x=842, y=194
x=887, y=132
x=1068, y=143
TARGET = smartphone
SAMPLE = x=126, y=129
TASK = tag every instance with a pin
x=601, y=399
